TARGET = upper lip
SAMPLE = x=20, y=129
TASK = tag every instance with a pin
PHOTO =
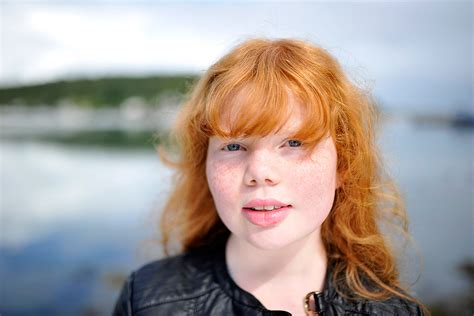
x=264, y=202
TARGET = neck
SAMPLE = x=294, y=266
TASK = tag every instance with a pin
x=301, y=264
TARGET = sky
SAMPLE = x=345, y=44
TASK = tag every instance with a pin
x=411, y=55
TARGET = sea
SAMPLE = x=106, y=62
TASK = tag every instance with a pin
x=77, y=219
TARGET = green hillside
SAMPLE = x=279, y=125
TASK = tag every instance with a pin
x=97, y=92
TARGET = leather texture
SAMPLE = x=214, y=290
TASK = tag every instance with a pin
x=198, y=283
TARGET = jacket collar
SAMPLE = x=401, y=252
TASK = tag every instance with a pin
x=225, y=281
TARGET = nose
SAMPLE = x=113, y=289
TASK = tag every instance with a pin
x=261, y=169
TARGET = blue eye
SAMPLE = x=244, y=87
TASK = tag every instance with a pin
x=294, y=143
x=232, y=147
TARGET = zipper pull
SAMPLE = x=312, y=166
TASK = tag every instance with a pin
x=315, y=307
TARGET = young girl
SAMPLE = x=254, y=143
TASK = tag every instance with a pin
x=278, y=197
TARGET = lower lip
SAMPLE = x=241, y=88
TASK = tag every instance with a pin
x=266, y=218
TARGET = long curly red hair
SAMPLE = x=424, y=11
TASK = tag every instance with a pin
x=333, y=105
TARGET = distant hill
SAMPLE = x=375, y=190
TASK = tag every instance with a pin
x=97, y=92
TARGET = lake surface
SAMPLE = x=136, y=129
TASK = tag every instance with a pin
x=75, y=220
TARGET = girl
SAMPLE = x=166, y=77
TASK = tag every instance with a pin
x=278, y=196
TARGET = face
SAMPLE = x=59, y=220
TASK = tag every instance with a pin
x=248, y=174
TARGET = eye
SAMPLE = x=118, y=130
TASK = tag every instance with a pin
x=232, y=147
x=294, y=143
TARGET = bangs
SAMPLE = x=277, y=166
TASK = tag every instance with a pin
x=256, y=103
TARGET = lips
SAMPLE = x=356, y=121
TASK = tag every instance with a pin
x=266, y=213
x=265, y=204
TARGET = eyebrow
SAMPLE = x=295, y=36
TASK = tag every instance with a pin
x=253, y=137
x=281, y=133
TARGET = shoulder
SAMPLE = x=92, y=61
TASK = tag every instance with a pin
x=391, y=306
x=168, y=280
x=394, y=306
x=344, y=301
x=184, y=274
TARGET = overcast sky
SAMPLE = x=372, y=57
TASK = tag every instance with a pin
x=413, y=54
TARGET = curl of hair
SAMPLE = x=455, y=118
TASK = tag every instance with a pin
x=364, y=264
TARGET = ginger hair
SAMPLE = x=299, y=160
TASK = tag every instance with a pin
x=363, y=259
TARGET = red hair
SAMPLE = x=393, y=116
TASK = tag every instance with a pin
x=332, y=105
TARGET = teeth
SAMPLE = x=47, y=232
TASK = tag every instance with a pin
x=270, y=207
x=266, y=208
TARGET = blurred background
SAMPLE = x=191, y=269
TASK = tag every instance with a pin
x=89, y=88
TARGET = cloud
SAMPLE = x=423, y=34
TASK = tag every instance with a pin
x=385, y=42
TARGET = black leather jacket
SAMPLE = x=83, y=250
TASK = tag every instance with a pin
x=198, y=283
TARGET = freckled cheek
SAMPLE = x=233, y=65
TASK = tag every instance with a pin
x=313, y=187
x=312, y=175
x=223, y=182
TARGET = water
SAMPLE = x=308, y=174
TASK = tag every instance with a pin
x=434, y=169
x=74, y=219
x=73, y=222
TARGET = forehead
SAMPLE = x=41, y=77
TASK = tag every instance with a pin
x=244, y=114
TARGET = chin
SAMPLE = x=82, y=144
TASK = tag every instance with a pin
x=279, y=239
x=270, y=240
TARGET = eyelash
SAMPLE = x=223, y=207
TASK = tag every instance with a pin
x=294, y=140
x=226, y=147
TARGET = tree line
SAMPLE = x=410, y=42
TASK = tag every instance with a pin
x=99, y=92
